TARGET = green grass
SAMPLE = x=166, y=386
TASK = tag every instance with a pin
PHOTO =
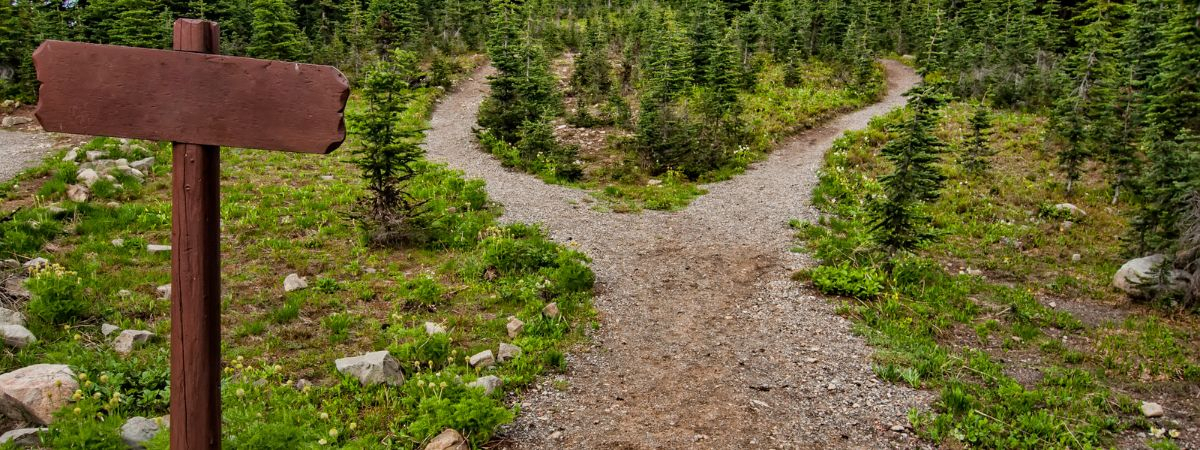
x=972, y=315
x=279, y=215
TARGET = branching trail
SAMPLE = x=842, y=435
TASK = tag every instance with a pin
x=705, y=342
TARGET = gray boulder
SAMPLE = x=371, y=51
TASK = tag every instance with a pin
x=164, y=291
x=482, y=359
x=1152, y=410
x=130, y=339
x=78, y=193
x=16, y=336
x=507, y=352
x=1137, y=278
x=155, y=248
x=551, y=311
x=515, y=327
x=489, y=384
x=23, y=437
x=10, y=317
x=294, y=282
x=108, y=328
x=432, y=328
x=138, y=430
x=448, y=440
x=12, y=121
x=36, y=262
x=35, y=392
x=372, y=368
x=1070, y=208
x=87, y=176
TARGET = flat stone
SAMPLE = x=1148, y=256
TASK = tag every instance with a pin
x=372, y=368
x=12, y=121
x=130, y=339
x=432, y=328
x=138, y=430
x=1075, y=257
x=118, y=242
x=294, y=282
x=10, y=264
x=489, y=384
x=35, y=392
x=71, y=155
x=108, y=328
x=78, y=193
x=448, y=440
x=143, y=164
x=515, y=327
x=1071, y=209
x=155, y=248
x=10, y=317
x=23, y=437
x=94, y=155
x=16, y=336
x=507, y=352
x=551, y=310
x=164, y=291
x=1151, y=409
x=36, y=262
x=482, y=359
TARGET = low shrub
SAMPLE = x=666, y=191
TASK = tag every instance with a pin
x=860, y=283
x=56, y=295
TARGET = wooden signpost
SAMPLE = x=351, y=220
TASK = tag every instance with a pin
x=201, y=101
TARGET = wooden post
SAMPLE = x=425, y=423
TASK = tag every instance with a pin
x=196, y=275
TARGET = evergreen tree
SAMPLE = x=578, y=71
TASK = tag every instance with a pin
x=1085, y=118
x=899, y=222
x=388, y=151
x=140, y=23
x=397, y=23
x=523, y=88
x=978, y=150
x=275, y=34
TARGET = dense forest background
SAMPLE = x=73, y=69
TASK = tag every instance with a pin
x=1118, y=79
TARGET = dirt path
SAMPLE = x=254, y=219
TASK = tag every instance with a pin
x=20, y=150
x=705, y=342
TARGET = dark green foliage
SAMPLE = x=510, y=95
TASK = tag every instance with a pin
x=977, y=149
x=860, y=283
x=275, y=34
x=396, y=23
x=140, y=23
x=523, y=89
x=388, y=150
x=899, y=222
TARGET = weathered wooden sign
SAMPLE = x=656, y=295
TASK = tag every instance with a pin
x=200, y=101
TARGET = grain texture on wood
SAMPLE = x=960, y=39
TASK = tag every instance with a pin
x=184, y=96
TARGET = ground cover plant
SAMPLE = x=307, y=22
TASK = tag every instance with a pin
x=1008, y=311
x=284, y=214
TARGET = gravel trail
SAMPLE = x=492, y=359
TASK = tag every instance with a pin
x=704, y=342
x=20, y=150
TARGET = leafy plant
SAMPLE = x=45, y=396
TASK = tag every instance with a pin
x=861, y=283
x=56, y=295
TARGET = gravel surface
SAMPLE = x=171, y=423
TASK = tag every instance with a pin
x=20, y=150
x=704, y=342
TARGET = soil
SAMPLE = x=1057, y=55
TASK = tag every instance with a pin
x=704, y=341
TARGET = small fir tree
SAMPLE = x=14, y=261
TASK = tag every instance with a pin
x=140, y=23
x=899, y=222
x=977, y=150
x=388, y=150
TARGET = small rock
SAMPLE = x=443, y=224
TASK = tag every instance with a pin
x=10, y=317
x=78, y=193
x=654, y=182
x=108, y=328
x=489, y=384
x=372, y=368
x=10, y=264
x=93, y=155
x=35, y=392
x=130, y=339
x=294, y=282
x=137, y=430
x=483, y=359
x=507, y=352
x=432, y=328
x=155, y=248
x=974, y=272
x=1075, y=210
x=327, y=177
x=515, y=326
x=87, y=177
x=303, y=384
x=36, y=262
x=118, y=242
x=143, y=164
x=898, y=428
x=124, y=293
x=16, y=336
x=1066, y=225
x=551, y=311
x=448, y=440
x=71, y=155
x=1075, y=257
x=556, y=436
x=1151, y=409
x=23, y=437
x=12, y=121
x=164, y=291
